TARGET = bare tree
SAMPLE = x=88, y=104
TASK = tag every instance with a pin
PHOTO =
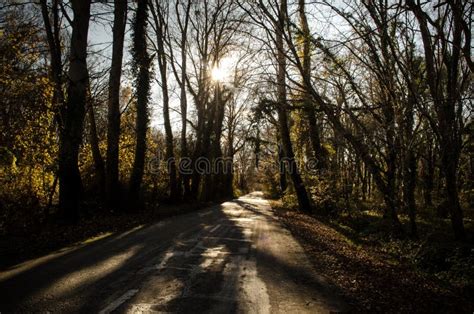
x=113, y=117
x=160, y=14
x=180, y=74
x=309, y=107
x=448, y=76
x=303, y=199
x=54, y=43
x=72, y=114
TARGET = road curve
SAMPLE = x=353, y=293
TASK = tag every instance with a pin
x=231, y=258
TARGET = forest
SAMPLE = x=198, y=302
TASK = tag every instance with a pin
x=352, y=117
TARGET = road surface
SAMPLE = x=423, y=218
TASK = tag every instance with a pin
x=231, y=258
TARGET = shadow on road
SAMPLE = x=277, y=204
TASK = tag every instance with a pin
x=204, y=271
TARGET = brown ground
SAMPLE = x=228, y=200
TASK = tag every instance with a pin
x=368, y=278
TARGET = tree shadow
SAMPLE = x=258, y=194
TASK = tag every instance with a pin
x=123, y=253
x=86, y=279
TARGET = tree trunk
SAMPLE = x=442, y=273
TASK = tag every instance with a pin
x=446, y=81
x=201, y=145
x=141, y=62
x=319, y=152
x=161, y=27
x=391, y=160
x=302, y=195
x=218, y=177
x=409, y=164
x=282, y=169
x=96, y=155
x=56, y=72
x=363, y=151
x=113, y=116
x=427, y=173
x=183, y=101
x=409, y=184
x=70, y=184
x=170, y=158
x=449, y=161
x=196, y=175
x=207, y=153
x=228, y=180
x=365, y=183
x=52, y=35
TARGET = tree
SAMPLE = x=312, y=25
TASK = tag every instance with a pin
x=159, y=12
x=181, y=79
x=113, y=118
x=28, y=139
x=141, y=69
x=319, y=152
x=379, y=103
x=448, y=77
x=99, y=165
x=213, y=29
x=303, y=199
x=72, y=114
x=54, y=44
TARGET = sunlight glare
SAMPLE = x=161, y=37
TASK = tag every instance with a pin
x=218, y=74
x=222, y=71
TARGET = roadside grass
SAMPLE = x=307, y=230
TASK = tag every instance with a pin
x=382, y=273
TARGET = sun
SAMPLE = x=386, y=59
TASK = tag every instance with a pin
x=218, y=74
x=224, y=69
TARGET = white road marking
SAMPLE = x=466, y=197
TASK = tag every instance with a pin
x=114, y=305
x=228, y=239
x=247, y=233
x=165, y=259
x=206, y=213
x=242, y=219
x=215, y=228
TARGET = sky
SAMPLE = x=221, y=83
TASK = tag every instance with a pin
x=100, y=38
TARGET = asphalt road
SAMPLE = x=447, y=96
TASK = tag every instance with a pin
x=231, y=258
